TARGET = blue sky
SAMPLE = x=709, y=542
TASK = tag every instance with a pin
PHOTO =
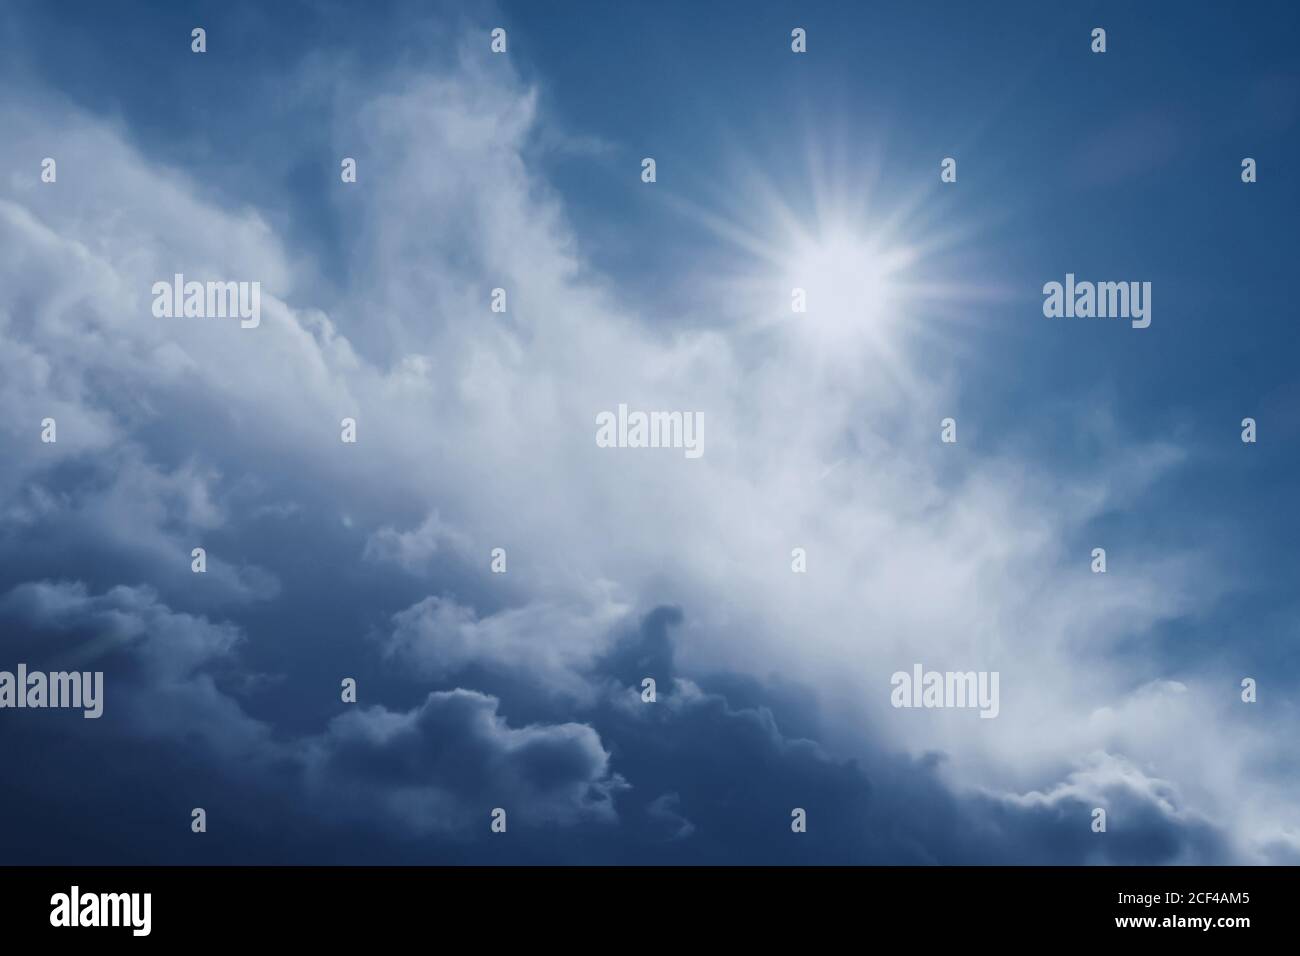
x=522, y=690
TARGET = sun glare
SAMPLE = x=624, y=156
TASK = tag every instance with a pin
x=844, y=278
x=844, y=269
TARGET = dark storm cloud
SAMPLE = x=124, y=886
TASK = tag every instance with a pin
x=688, y=778
x=444, y=766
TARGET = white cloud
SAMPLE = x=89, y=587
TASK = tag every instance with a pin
x=411, y=550
x=954, y=557
x=550, y=645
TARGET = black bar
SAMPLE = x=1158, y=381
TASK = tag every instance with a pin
x=332, y=904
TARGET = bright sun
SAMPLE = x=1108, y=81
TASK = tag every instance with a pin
x=837, y=264
x=844, y=286
x=842, y=277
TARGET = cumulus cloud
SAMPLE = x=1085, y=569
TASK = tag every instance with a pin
x=433, y=768
x=731, y=776
x=555, y=646
x=160, y=666
x=411, y=550
x=445, y=765
x=475, y=430
x=1147, y=821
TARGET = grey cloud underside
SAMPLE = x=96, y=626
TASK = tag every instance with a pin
x=689, y=778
